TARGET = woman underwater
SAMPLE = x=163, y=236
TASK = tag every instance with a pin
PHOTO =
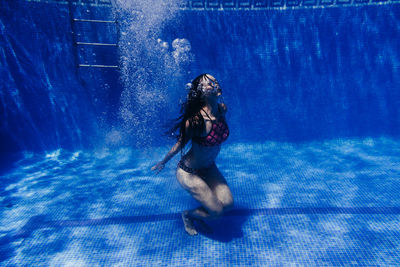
x=202, y=120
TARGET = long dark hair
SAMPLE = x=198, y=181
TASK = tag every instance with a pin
x=190, y=110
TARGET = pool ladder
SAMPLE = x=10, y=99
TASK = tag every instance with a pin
x=83, y=44
x=78, y=44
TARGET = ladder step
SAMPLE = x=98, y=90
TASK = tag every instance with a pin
x=97, y=66
x=82, y=43
x=96, y=20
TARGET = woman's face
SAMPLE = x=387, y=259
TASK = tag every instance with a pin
x=210, y=86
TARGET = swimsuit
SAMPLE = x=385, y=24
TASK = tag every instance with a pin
x=218, y=134
x=200, y=172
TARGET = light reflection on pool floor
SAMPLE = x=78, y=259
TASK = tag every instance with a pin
x=322, y=203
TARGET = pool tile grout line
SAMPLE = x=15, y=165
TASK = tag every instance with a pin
x=38, y=222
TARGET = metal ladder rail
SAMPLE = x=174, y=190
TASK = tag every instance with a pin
x=76, y=43
x=96, y=44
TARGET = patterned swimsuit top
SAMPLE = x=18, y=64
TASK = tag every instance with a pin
x=218, y=134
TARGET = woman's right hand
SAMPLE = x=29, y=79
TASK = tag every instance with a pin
x=158, y=167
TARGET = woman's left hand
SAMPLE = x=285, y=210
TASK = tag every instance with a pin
x=158, y=167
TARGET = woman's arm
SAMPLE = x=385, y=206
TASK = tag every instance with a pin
x=174, y=150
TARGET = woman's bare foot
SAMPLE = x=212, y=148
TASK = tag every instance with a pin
x=188, y=223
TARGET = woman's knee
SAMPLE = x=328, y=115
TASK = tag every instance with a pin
x=228, y=204
x=225, y=196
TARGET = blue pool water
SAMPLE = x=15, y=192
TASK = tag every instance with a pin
x=312, y=159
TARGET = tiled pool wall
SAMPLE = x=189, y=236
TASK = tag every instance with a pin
x=242, y=4
x=345, y=53
x=48, y=100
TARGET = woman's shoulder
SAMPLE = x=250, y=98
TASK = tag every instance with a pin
x=195, y=121
x=197, y=118
x=196, y=124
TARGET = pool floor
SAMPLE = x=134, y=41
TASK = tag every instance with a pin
x=332, y=202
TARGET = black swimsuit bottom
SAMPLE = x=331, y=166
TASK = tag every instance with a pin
x=199, y=172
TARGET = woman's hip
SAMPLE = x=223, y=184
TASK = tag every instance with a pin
x=196, y=171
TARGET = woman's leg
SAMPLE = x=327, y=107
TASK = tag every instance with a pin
x=218, y=185
x=201, y=191
x=214, y=195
